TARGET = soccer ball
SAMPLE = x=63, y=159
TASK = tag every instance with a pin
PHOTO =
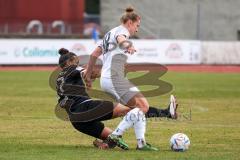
x=179, y=142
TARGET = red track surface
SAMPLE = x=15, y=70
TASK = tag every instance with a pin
x=205, y=68
x=175, y=68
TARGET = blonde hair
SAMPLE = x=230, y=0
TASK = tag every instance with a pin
x=129, y=15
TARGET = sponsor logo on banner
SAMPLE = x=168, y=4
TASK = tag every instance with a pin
x=174, y=51
x=17, y=52
x=35, y=52
x=147, y=52
x=194, y=53
x=79, y=49
x=3, y=53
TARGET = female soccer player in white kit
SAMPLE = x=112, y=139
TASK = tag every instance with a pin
x=114, y=48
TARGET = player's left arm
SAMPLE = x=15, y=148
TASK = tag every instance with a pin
x=121, y=39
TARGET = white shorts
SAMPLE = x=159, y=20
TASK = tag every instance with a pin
x=121, y=89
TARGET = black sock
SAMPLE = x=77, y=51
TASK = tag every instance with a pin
x=156, y=112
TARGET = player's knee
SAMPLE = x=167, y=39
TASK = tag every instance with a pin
x=144, y=109
x=143, y=106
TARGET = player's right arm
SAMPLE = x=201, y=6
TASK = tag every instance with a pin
x=91, y=63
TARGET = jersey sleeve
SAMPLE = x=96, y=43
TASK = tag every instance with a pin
x=80, y=69
x=73, y=72
x=122, y=31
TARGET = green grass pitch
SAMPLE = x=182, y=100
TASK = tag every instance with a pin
x=29, y=129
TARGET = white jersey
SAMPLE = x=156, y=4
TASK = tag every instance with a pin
x=112, y=79
x=114, y=57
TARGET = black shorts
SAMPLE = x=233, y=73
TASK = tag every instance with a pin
x=86, y=116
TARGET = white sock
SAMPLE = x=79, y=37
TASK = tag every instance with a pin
x=141, y=143
x=140, y=129
x=128, y=120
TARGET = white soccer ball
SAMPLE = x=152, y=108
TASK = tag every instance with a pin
x=179, y=142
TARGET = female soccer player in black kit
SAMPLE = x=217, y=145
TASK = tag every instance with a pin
x=85, y=113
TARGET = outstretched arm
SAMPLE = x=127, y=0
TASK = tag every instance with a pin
x=90, y=66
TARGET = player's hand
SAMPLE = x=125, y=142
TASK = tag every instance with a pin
x=96, y=73
x=87, y=79
x=131, y=50
x=89, y=85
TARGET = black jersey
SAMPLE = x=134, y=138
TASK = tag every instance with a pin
x=70, y=86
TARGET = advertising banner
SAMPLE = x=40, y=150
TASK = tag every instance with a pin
x=44, y=51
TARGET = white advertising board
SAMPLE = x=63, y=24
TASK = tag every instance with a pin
x=44, y=51
x=166, y=52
